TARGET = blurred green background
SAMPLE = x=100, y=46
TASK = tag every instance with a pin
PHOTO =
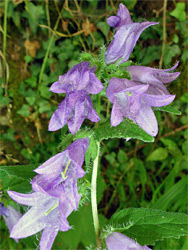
x=41, y=40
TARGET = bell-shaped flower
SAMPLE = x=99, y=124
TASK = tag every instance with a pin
x=156, y=78
x=48, y=212
x=79, y=77
x=11, y=217
x=118, y=241
x=131, y=100
x=63, y=170
x=126, y=36
x=73, y=110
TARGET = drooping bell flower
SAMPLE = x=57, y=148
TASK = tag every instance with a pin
x=48, y=212
x=63, y=169
x=73, y=110
x=126, y=36
x=118, y=241
x=79, y=77
x=131, y=100
x=155, y=78
x=10, y=215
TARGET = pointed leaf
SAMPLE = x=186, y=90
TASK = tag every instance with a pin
x=147, y=226
x=127, y=129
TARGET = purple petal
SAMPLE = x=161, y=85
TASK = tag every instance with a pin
x=57, y=87
x=53, y=166
x=65, y=209
x=113, y=21
x=118, y=241
x=151, y=76
x=60, y=116
x=48, y=236
x=4, y=210
x=12, y=219
x=166, y=77
x=117, y=85
x=77, y=151
x=94, y=86
x=124, y=41
x=116, y=115
x=158, y=100
x=31, y=222
x=78, y=117
x=124, y=15
x=25, y=199
x=146, y=120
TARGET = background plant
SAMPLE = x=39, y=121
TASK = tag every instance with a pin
x=43, y=40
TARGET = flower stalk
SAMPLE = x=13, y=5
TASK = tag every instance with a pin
x=94, y=198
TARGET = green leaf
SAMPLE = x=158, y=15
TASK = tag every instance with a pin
x=172, y=195
x=168, y=109
x=179, y=12
x=170, y=52
x=24, y=111
x=17, y=177
x=147, y=226
x=127, y=129
x=104, y=27
x=158, y=154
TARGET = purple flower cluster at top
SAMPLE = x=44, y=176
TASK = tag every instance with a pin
x=77, y=106
x=147, y=88
x=55, y=195
x=118, y=241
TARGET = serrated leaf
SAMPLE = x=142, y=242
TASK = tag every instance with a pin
x=17, y=177
x=147, y=226
x=127, y=129
x=168, y=109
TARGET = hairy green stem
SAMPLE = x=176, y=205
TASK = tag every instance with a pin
x=94, y=198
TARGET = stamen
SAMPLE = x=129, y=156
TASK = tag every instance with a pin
x=129, y=93
x=66, y=168
x=52, y=208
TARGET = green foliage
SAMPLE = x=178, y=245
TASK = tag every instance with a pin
x=147, y=226
x=179, y=12
x=127, y=129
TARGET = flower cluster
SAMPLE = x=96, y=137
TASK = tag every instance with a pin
x=55, y=195
x=55, y=192
x=134, y=98
x=77, y=106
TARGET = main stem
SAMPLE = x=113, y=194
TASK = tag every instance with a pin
x=94, y=198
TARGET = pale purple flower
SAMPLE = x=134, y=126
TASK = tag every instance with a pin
x=126, y=36
x=80, y=77
x=118, y=241
x=63, y=170
x=131, y=100
x=156, y=78
x=73, y=110
x=48, y=212
x=4, y=210
x=11, y=217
